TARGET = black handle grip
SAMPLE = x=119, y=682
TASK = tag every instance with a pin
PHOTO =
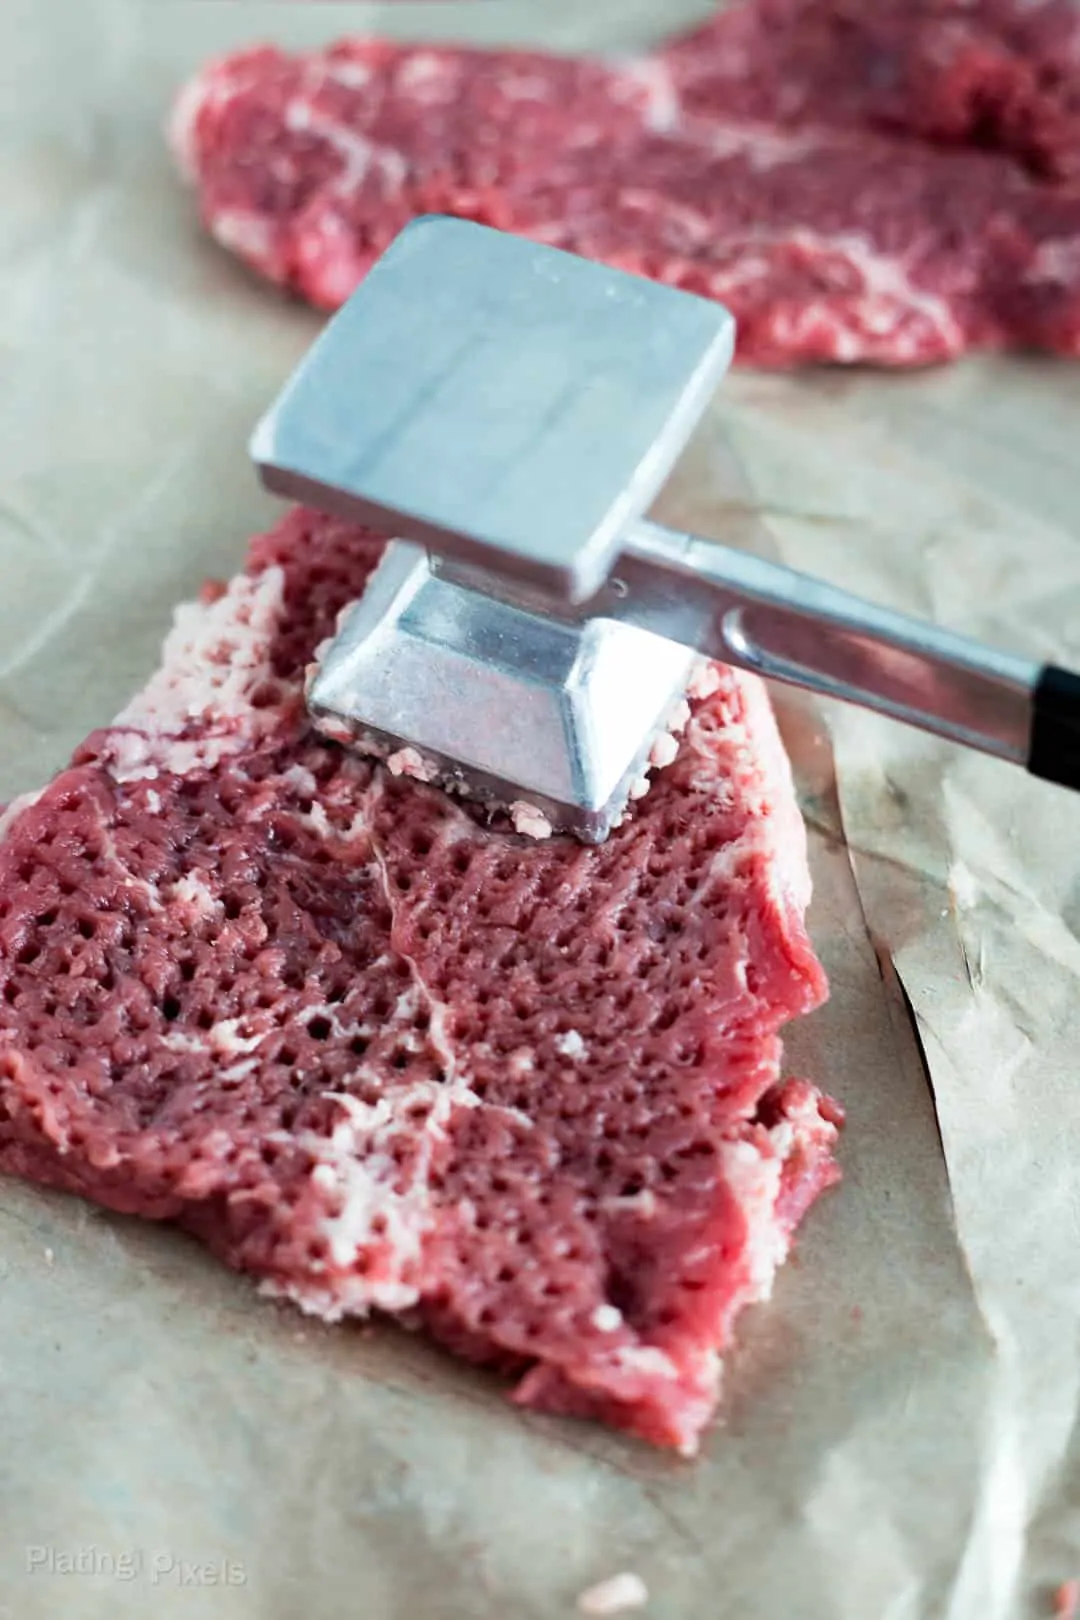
x=1055, y=728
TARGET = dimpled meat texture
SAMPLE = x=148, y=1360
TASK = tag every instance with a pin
x=381, y=1056
x=890, y=182
x=1002, y=75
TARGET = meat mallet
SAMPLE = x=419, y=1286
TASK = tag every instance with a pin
x=507, y=412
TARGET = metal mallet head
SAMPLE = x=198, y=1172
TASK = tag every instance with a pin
x=507, y=412
x=514, y=410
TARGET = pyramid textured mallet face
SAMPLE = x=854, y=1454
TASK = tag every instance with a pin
x=501, y=705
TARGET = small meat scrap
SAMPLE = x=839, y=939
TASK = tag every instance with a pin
x=529, y=821
x=896, y=182
x=1067, y=1600
x=383, y=1057
x=617, y=1595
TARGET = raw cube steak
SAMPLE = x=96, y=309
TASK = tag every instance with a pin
x=893, y=181
x=379, y=1055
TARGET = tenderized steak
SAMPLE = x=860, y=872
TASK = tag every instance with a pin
x=885, y=181
x=379, y=1055
x=1002, y=75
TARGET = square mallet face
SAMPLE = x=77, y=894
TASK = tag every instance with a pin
x=495, y=702
x=503, y=403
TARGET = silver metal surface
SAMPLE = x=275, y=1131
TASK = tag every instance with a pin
x=506, y=704
x=516, y=408
x=502, y=402
x=788, y=627
x=509, y=703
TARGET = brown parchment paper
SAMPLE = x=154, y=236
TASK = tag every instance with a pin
x=898, y=1439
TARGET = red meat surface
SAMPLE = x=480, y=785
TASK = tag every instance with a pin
x=891, y=182
x=998, y=75
x=380, y=1055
